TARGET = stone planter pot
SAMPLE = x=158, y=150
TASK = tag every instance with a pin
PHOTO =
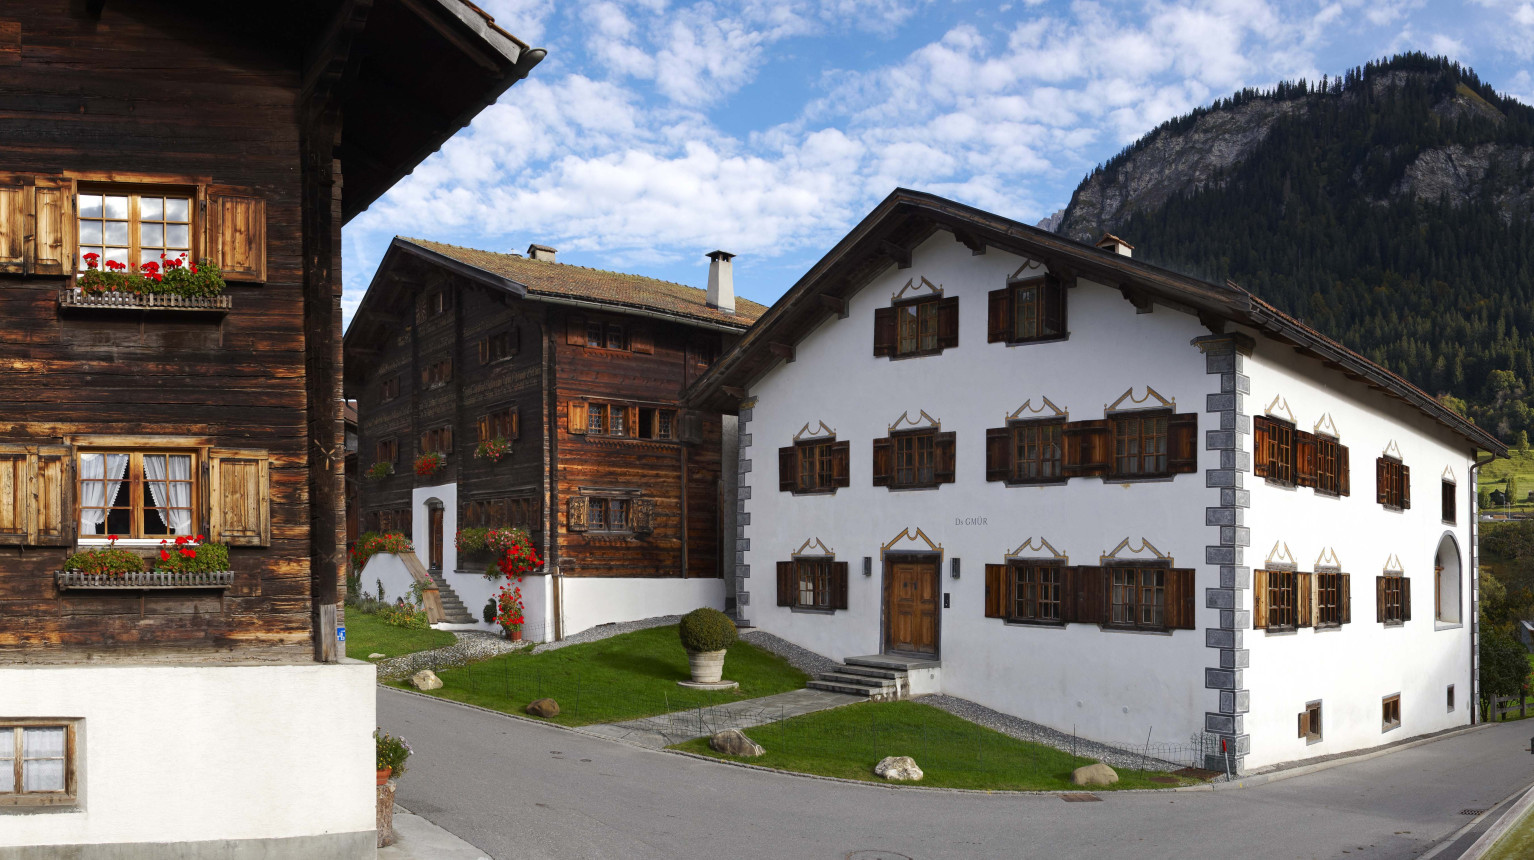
x=707, y=666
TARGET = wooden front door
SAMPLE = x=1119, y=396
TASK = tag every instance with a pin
x=911, y=605
x=436, y=539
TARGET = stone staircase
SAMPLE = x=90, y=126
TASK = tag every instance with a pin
x=879, y=677
x=453, y=609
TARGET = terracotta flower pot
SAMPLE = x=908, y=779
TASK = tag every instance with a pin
x=383, y=775
x=514, y=635
x=707, y=666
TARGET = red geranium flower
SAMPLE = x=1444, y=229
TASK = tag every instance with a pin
x=164, y=556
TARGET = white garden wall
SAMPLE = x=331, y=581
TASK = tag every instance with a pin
x=277, y=755
x=1352, y=668
x=592, y=600
x=1107, y=685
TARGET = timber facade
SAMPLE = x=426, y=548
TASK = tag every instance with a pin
x=580, y=372
x=137, y=132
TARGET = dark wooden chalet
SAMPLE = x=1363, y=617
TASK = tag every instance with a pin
x=245, y=133
x=581, y=370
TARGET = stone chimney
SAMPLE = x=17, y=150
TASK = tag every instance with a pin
x=1110, y=243
x=721, y=281
x=540, y=252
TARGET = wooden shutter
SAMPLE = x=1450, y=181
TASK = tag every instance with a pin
x=1304, y=459
x=15, y=493
x=884, y=461
x=1381, y=479
x=838, y=585
x=944, y=469
x=1345, y=597
x=53, y=483
x=1182, y=443
x=1259, y=599
x=641, y=340
x=1179, y=599
x=575, y=330
x=576, y=416
x=631, y=421
x=996, y=591
x=998, y=453
x=1088, y=447
x=948, y=322
x=237, y=225
x=1054, y=305
x=484, y=428
x=786, y=584
x=13, y=227
x=575, y=514
x=53, y=226
x=1069, y=594
x=1406, y=488
x=998, y=315
x=642, y=516
x=788, y=469
x=1405, y=598
x=1262, y=446
x=884, y=331
x=1345, y=484
x=484, y=350
x=1091, y=594
x=1304, y=723
x=1304, y=599
x=516, y=422
x=1379, y=599
x=841, y=464
x=239, y=496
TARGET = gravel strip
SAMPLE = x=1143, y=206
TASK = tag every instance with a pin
x=607, y=631
x=1023, y=730
x=803, y=659
x=471, y=645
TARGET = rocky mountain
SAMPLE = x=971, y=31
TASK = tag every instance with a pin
x=1392, y=208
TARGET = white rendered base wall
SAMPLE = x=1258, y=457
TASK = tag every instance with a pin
x=386, y=569
x=278, y=756
x=589, y=601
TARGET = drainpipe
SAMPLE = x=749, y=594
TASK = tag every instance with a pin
x=1475, y=589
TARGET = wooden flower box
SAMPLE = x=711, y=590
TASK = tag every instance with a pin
x=78, y=299
x=74, y=580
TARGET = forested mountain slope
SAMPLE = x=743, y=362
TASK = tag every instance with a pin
x=1391, y=208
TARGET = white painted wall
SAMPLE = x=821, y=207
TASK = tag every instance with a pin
x=420, y=523
x=592, y=600
x=183, y=754
x=1351, y=669
x=1112, y=686
x=388, y=569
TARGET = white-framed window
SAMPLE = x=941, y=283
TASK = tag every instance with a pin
x=37, y=762
x=136, y=495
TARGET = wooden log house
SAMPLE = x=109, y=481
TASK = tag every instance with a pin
x=244, y=134
x=580, y=370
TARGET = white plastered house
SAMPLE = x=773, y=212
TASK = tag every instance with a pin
x=1100, y=495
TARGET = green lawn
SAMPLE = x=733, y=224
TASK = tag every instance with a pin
x=368, y=634
x=952, y=752
x=1494, y=475
x=622, y=678
x=1517, y=843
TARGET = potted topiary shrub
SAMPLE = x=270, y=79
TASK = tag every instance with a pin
x=706, y=634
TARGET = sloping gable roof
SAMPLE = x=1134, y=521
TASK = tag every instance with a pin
x=906, y=218
x=618, y=289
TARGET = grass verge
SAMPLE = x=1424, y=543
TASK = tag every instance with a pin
x=848, y=741
x=625, y=677
x=369, y=634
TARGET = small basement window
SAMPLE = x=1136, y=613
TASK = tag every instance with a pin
x=1451, y=697
x=1310, y=722
x=37, y=762
x=1390, y=713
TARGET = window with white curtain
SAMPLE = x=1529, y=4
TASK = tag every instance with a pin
x=37, y=762
x=136, y=494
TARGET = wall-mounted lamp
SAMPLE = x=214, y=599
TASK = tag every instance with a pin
x=953, y=568
x=868, y=565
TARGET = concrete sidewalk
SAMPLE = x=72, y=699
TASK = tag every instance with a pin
x=419, y=839
x=661, y=731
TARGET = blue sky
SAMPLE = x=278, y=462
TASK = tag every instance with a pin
x=657, y=131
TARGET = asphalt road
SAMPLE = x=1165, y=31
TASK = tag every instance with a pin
x=517, y=789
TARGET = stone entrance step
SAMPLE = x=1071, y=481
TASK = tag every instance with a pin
x=880, y=677
x=452, y=607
